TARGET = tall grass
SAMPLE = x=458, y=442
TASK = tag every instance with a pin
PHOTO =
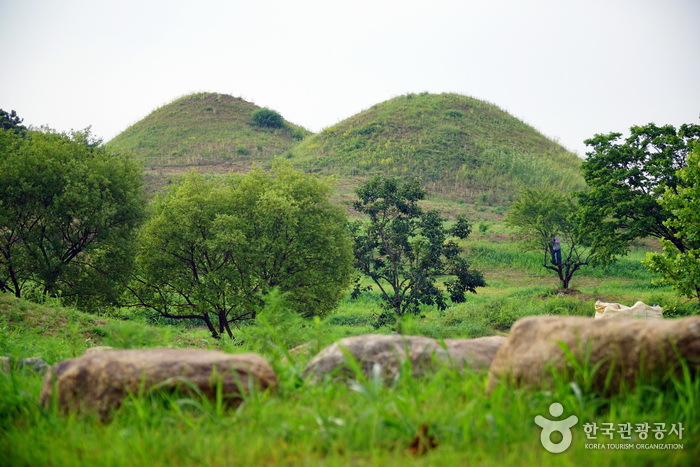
x=447, y=418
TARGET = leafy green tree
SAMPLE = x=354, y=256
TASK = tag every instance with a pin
x=267, y=118
x=681, y=268
x=216, y=247
x=11, y=121
x=541, y=215
x=625, y=182
x=69, y=208
x=405, y=250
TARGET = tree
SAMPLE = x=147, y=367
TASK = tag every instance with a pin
x=11, y=121
x=681, y=268
x=216, y=246
x=627, y=179
x=405, y=250
x=69, y=208
x=267, y=118
x=540, y=215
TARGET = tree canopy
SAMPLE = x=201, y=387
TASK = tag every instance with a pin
x=540, y=216
x=626, y=180
x=215, y=246
x=404, y=250
x=681, y=268
x=11, y=121
x=68, y=212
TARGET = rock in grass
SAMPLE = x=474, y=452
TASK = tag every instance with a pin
x=477, y=353
x=389, y=353
x=616, y=353
x=32, y=365
x=99, y=382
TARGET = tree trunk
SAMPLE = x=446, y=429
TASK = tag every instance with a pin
x=211, y=327
x=565, y=282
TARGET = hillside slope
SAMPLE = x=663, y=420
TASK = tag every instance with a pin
x=206, y=129
x=462, y=148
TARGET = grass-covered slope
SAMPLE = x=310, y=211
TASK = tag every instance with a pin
x=460, y=146
x=205, y=129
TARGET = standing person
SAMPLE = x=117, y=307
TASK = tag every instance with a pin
x=556, y=251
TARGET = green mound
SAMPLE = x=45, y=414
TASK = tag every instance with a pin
x=459, y=146
x=207, y=129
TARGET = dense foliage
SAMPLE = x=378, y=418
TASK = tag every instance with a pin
x=11, y=121
x=267, y=118
x=541, y=216
x=215, y=247
x=681, y=267
x=627, y=179
x=68, y=212
x=404, y=250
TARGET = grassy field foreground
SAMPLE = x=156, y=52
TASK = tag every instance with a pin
x=444, y=419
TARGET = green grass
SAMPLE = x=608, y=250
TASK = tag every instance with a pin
x=335, y=423
x=338, y=424
x=462, y=148
x=208, y=130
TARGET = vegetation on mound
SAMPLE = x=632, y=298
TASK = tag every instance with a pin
x=456, y=144
x=207, y=128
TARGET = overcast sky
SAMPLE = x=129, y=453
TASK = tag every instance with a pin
x=569, y=68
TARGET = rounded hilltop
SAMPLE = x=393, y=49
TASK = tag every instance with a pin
x=208, y=129
x=461, y=147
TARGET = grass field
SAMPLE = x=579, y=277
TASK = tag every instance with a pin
x=444, y=419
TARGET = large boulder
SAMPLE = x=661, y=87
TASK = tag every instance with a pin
x=100, y=381
x=388, y=353
x=477, y=353
x=629, y=350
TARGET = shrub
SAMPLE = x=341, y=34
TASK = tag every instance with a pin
x=267, y=118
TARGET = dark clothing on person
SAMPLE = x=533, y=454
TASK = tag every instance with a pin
x=556, y=251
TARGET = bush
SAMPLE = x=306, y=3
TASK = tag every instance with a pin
x=267, y=118
x=215, y=247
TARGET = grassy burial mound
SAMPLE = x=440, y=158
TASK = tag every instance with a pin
x=208, y=129
x=460, y=146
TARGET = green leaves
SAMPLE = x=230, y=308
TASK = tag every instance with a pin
x=68, y=210
x=541, y=215
x=405, y=250
x=626, y=180
x=216, y=247
x=267, y=118
x=679, y=268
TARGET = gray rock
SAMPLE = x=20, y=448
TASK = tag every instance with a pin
x=630, y=350
x=388, y=353
x=31, y=365
x=100, y=381
x=477, y=353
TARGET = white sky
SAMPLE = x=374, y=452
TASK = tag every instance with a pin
x=569, y=68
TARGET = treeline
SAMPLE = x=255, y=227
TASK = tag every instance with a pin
x=75, y=223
